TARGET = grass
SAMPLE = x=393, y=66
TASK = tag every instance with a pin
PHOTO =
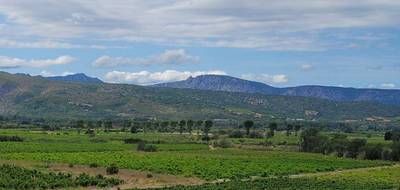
x=205, y=164
x=368, y=179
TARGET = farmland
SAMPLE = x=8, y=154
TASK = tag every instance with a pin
x=185, y=156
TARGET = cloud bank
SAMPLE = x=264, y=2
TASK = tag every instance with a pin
x=169, y=57
x=260, y=24
x=147, y=78
x=12, y=62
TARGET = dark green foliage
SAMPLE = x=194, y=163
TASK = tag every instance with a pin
x=374, y=152
x=395, y=155
x=355, y=147
x=248, y=125
x=112, y=169
x=256, y=135
x=236, y=134
x=13, y=177
x=10, y=139
x=133, y=141
x=182, y=125
x=207, y=127
x=223, y=143
x=93, y=165
x=142, y=146
x=338, y=144
x=311, y=140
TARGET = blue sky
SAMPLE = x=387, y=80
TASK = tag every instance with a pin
x=281, y=43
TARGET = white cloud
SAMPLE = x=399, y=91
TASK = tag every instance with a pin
x=48, y=44
x=146, y=77
x=307, y=67
x=266, y=78
x=388, y=85
x=11, y=62
x=169, y=57
x=259, y=24
x=46, y=73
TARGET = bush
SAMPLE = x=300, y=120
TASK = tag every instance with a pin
x=133, y=141
x=256, y=135
x=142, y=146
x=112, y=169
x=10, y=138
x=373, y=152
x=236, y=134
x=93, y=165
x=223, y=143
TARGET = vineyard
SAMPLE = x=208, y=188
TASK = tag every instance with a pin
x=185, y=157
x=12, y=177
x=384, y=178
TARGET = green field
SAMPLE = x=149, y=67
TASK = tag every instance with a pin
x=184, y=155
x=372, y=179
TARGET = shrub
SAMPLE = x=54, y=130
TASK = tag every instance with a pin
x=93, y=165
x=256, y=135
x=10, y=138
x=112, y=169
x=236, y=134
x=373, y=152
x=223, y=143
x=133, y=141
x=142, y=146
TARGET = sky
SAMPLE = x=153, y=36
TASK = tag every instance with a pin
x=282, y=43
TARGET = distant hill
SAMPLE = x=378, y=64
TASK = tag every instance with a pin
x=29, y=96
x=231, y=84
x=79, y=77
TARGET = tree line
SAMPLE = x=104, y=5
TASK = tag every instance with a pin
x=313, y=140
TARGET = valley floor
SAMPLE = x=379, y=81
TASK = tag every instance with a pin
x=185, y=161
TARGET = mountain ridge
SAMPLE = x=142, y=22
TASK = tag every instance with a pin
x=36, y=97
x=78, y=77
x=232, y=84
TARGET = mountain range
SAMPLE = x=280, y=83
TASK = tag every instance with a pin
x=79, y=77
x=38, y=97
x=232, y=84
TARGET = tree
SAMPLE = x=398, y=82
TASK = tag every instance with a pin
x=297, y=129
x=273, y=126
x=80, y=124
x=396, y=151
x=355, y=146
x=373, y=152
x=311, y=140
x=164, y=126
x=248, y=124
x=198, y=124
x=289, y=129
x=99, y=124
x=127, y=125
x=190, y=124
x=173, y=125
x=388, y=136
x=107, y=125
x=182, y=125
x=207, y=127
x=338, y=144
x=135, y=127
x=90, y=124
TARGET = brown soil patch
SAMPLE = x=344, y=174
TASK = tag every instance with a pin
x=132, y=178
